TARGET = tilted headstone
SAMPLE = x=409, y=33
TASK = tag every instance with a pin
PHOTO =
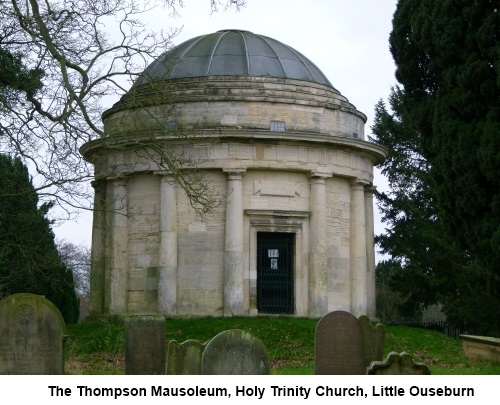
x=145, y=345
x=339, y=345
x=235, y=352
x=31, y=336
x=184, y=358
x=398, y=364
x=373, y=340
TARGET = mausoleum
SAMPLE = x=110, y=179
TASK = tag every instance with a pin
x=294, y=231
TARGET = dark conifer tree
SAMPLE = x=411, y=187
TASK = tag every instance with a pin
x=15, y=77
x=426, y=266
x=29, y=260
x=447, y=54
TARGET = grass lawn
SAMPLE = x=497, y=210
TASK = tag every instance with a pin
x=98, y=348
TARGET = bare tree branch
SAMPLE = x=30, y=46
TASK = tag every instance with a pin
x=83, y=68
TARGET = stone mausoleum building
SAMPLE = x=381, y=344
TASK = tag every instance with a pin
x=294, y=233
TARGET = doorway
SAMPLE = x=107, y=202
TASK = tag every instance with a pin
x=275, y=262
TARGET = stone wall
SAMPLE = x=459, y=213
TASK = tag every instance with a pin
x=238, y=102
x=200, y=256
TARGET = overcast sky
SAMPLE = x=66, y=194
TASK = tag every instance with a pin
x=346, y=39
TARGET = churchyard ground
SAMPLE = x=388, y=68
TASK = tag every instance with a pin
x=98, y=347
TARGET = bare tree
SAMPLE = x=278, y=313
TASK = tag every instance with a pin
x=80, y=64
x=77, y=259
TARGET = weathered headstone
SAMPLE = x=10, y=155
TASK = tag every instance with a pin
x=145, y=345
x=31, y=336
x=398, y=364
x=339, y=345
x=235, y=352
x=184, y=358
x=373, y=340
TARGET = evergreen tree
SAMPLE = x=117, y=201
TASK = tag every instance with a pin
x=447, y=55
x=412, y=238
x=426, y=266
x=16, y=77
x=29, y=260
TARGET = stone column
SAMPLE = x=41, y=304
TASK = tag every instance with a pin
x=98, y=254
x=370, y=252
x=119, y=248
x=318, y=274
x=358, y=249
x=233, y=247
x=167, y=282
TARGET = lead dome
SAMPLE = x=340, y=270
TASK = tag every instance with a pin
x=233, y=53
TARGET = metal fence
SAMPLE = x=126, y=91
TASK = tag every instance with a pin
x=442, y=326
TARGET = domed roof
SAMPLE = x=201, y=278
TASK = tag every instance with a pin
x=233, y=53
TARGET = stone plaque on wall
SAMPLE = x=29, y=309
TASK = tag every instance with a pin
x=275, y=188
x=339, y=345
x=31, y=336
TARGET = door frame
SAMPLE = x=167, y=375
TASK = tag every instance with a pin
x=295, y=222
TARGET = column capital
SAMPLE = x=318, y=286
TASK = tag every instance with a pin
x=98, y=184
x=118, y=180
x=234, y=174
x=234, y=170
x=165, y=176
x=163, y=172
x=370, y=189
x=319, y=175
x=359, y=184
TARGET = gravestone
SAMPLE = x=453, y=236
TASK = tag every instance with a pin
x=145, y=345
x=398, y=364
x=339, y=345
x=235, y=352
x=184, y=358
x=31, y=336
x=373, y=340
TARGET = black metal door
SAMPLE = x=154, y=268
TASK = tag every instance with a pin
x=275, y=272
